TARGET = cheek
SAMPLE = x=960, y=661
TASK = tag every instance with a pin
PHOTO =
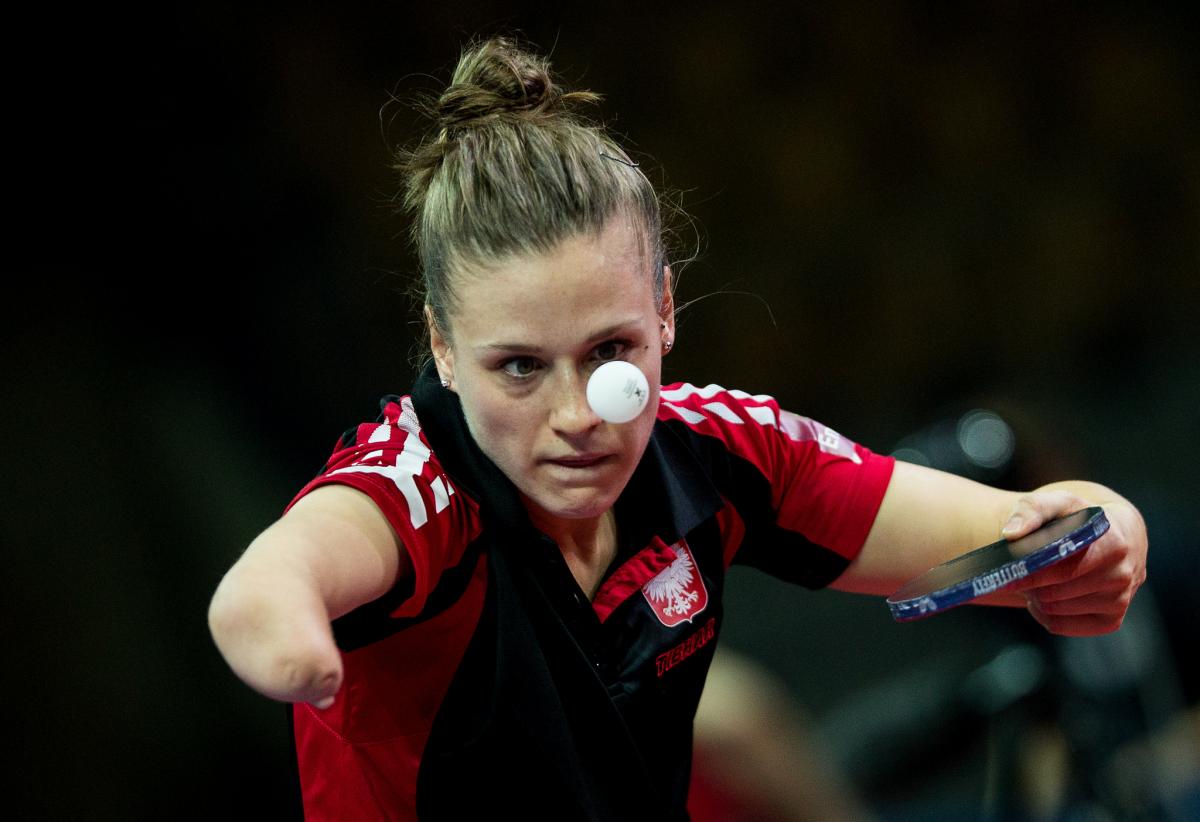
x=500, y=426
x=635, y=435
x=644, y=430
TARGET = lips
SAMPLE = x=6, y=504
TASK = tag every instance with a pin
x=580, y=460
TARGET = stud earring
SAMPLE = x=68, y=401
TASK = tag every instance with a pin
x=445, y=383
x=667, y=345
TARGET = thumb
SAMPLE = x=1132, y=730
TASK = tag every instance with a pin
x=1033, y=510
x=1021, y=520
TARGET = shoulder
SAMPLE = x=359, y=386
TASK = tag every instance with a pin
x=393, y=440
x=756, y=428
x=739, y=417
x=821, y=484
x=707, y=408
x=392, y=459
x=396, y=426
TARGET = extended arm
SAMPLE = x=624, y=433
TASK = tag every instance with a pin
x=929, y=516
x=270, y=616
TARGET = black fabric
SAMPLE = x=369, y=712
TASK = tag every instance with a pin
x=551, y=710
x=373, y=621
x=529, y=720
x=511, y=732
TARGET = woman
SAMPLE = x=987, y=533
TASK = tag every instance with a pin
x=492, y=598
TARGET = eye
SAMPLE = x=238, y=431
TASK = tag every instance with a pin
x=610, y=350
x=519, y=367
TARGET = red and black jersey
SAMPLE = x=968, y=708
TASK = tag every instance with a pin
x=487, y=680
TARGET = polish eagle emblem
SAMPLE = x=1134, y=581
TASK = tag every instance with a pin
x=677, y=594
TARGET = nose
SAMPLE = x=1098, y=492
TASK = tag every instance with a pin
x=570, y=413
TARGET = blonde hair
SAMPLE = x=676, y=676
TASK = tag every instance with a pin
x=512, y=167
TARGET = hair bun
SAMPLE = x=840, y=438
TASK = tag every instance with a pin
x=496, y=78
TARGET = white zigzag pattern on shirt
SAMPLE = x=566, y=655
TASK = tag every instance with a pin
x=410, y=462
x=798, y=428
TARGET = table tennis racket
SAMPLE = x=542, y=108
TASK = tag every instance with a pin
x=992, y=567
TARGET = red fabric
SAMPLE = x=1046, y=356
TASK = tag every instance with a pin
x=824, y=486
x=733, y=529
x=712, y=798
x=395, y=453
x=631, y=576
x=359, y=758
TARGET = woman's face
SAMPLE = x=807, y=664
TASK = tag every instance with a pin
x=525, y=336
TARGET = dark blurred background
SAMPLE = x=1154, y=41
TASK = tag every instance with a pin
x=904, y=213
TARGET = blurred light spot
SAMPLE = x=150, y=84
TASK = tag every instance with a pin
x=986, y=439
x=911, y=455
x=1013, y=674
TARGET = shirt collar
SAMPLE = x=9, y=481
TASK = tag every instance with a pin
x=668, y=495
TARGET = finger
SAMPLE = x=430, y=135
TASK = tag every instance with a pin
x=1079, y=625
x=1106, y=565
x=1101, y=603
x=1032, y=511
x=1109, y=581
x=1058, y=573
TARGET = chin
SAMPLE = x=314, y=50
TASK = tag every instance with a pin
x=572, y=507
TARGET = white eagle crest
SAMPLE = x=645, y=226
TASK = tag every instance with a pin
x=671, y=585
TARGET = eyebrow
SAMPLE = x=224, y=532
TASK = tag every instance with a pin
x=525, y=348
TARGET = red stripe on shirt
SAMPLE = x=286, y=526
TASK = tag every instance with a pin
x=635, y=572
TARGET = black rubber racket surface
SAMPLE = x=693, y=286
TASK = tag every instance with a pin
x=995, y=566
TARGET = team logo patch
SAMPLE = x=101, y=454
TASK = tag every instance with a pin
x=677, y=594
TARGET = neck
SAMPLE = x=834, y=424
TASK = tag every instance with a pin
x=587, y=539
x=588, y=545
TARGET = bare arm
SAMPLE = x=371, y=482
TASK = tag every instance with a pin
x=929, y=516
x=270, y=616
x=926, y=517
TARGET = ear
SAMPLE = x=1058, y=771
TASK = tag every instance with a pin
x=443, y=354
x=667, y=310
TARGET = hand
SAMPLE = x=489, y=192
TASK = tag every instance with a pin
x=1089, y=593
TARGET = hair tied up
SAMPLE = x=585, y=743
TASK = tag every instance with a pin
x=497, y=80
x=513, y=168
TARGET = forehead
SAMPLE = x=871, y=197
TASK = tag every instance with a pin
x=587, y=279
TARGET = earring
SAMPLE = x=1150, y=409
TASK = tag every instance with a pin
x=667, y=345
x=445, y=383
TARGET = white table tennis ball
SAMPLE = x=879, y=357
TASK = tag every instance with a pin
x=618, y=391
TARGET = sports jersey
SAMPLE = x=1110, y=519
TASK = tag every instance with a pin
x=487, y=680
